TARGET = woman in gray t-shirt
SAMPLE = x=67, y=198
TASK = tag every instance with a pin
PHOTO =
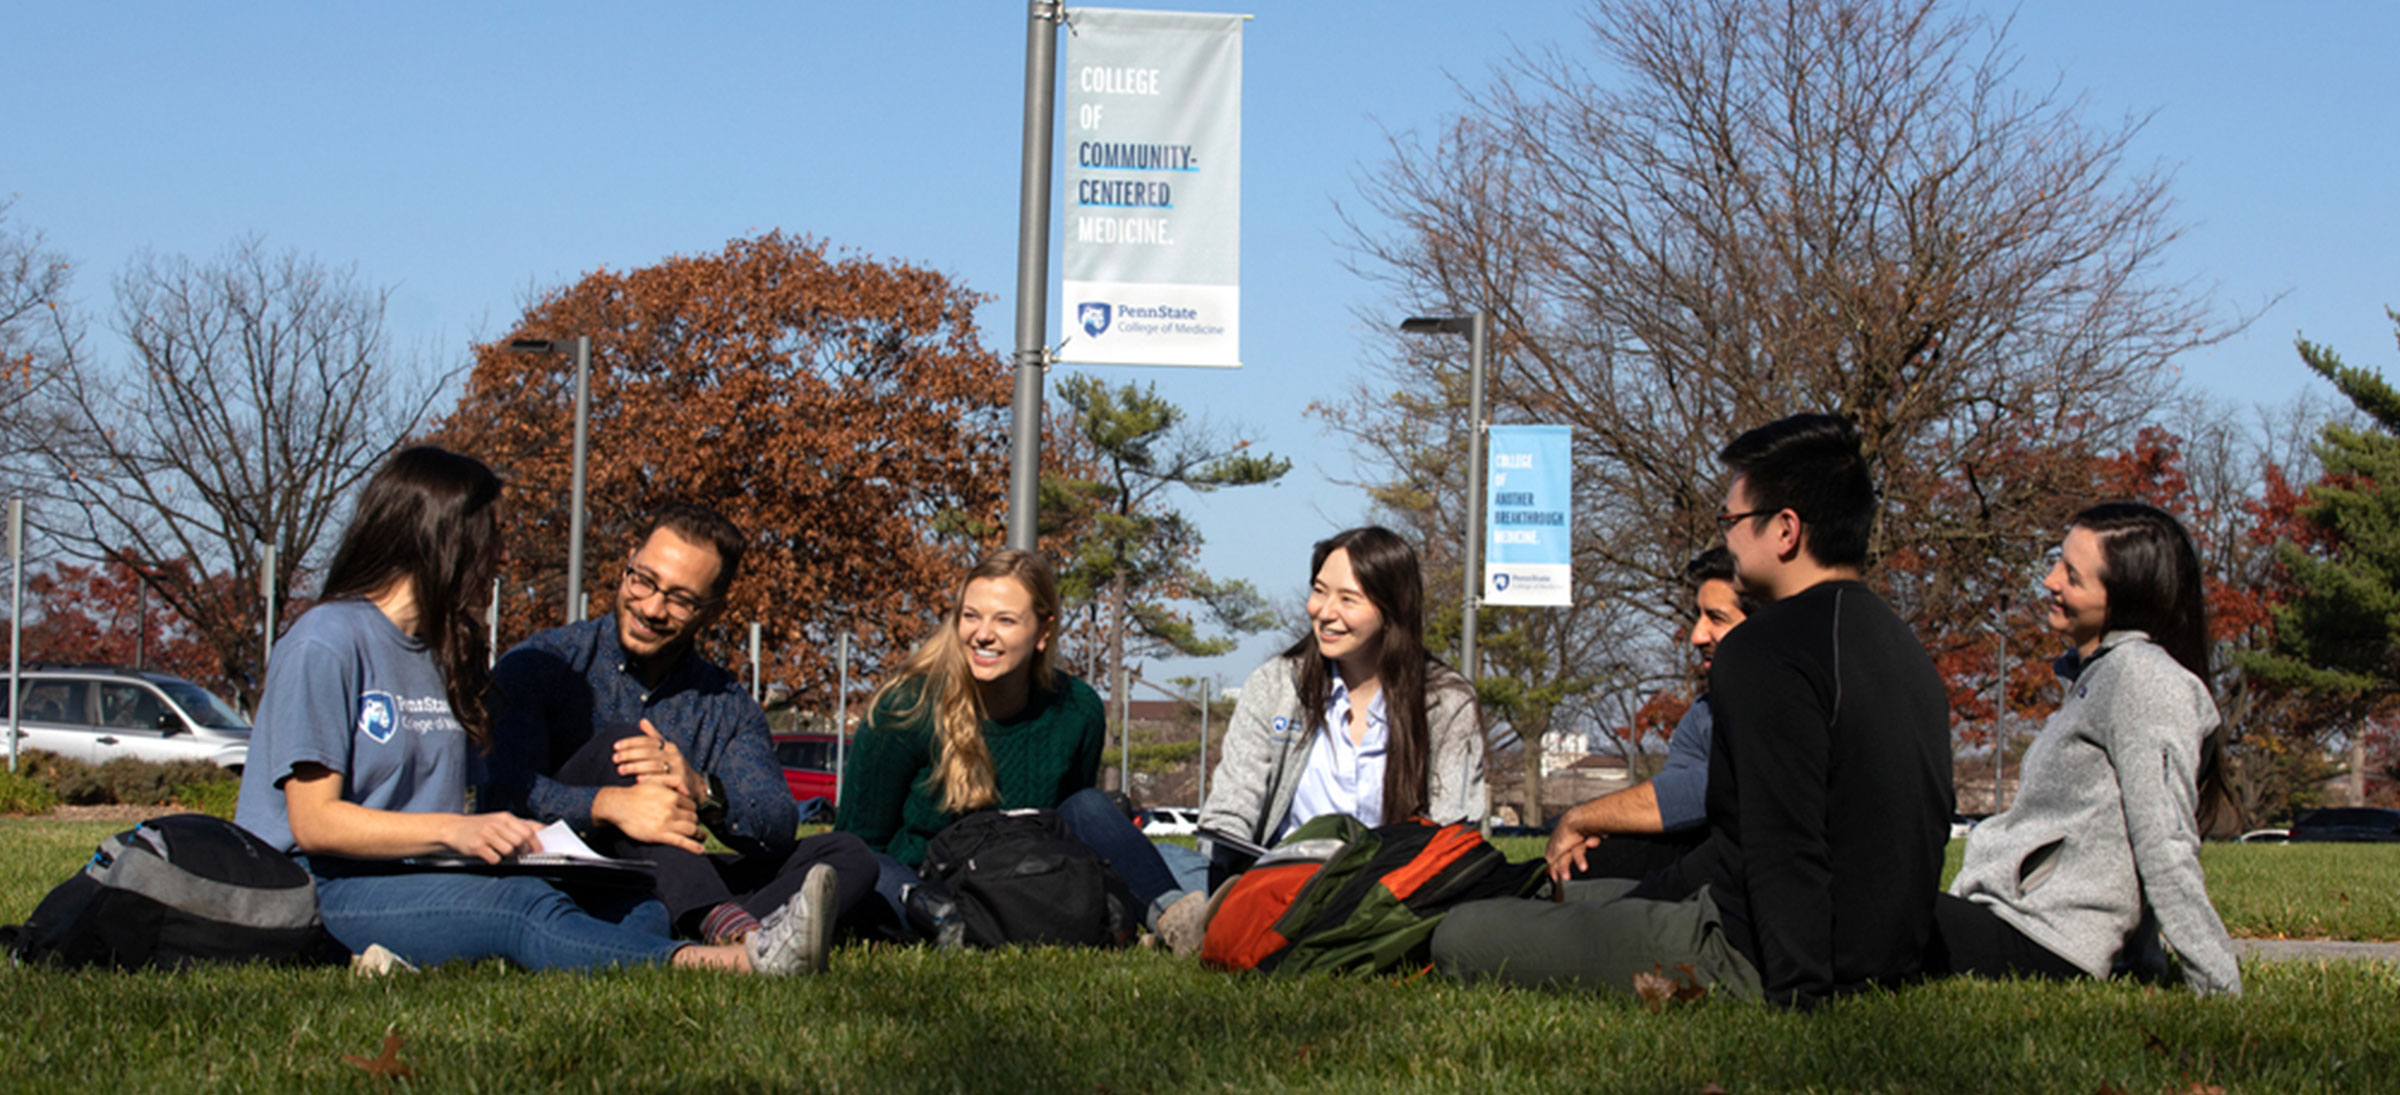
x=371, y=717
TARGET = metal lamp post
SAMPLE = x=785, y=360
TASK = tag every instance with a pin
x=1477, y=327
x=1033, y=270
x=582, y=346
x=1207, y=686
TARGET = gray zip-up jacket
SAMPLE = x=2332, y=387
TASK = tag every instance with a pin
x=2103, y=821
x=1266, y=749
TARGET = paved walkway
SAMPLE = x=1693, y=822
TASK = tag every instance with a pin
x=2292, y=950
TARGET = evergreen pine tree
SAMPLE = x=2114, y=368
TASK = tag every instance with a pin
x=2336, y=634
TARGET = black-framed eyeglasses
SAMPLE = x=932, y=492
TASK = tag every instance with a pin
x=679, y=604
x=1725, y=521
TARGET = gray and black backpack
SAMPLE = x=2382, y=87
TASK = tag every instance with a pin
x=179, y=891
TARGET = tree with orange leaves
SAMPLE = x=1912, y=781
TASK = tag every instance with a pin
x=843, y=411
x=104, y=614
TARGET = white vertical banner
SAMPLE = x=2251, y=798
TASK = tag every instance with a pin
x=1528, y=500
x=1153, y=115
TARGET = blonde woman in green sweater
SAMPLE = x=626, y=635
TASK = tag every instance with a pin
x=976, y=718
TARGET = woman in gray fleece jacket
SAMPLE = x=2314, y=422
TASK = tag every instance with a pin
x=1410, y=746
x=2105, y=827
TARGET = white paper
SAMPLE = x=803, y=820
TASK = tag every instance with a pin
x=558, y=840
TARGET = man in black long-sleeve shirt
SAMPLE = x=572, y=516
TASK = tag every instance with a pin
x=1829, y=781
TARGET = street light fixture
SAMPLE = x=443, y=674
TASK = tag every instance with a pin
x=582, y=347
x=1477, y=327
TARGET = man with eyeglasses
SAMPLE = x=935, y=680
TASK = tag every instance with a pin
x=618, y=727
x=1828, y=781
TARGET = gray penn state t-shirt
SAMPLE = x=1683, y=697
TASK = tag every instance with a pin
x=348, y=690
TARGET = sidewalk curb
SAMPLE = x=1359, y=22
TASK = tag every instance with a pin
x=2300, y=950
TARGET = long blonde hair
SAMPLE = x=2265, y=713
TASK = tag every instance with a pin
x=962, y=770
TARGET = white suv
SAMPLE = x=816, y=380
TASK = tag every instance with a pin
x=97, y=714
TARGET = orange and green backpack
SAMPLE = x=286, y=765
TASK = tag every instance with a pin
x=1337, y=895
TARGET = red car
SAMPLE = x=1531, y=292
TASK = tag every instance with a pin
x=808, y=766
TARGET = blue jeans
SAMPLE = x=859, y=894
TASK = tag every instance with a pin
x=1105, y=830
x=431, y=917
x=892, y=878
x=1190, y=867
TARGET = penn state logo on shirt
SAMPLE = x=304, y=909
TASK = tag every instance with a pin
x=1282, y=728
x=378, y=715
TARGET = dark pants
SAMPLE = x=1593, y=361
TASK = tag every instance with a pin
x=690, y=883
x=1968, y=939
x=1598, y=938
x=1635, y=855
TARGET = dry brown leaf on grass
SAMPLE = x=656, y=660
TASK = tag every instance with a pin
x=1654, y=989
x=387, y=1066
x=1657, y=988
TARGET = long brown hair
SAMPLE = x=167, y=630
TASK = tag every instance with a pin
x=427, y=517
x=1387, y=572
x=962, y=771
x=2151, y=575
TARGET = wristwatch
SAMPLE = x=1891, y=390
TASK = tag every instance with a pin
x=712, y=808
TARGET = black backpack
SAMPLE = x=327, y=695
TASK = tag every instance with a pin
x=997, y=877
x=179, y=891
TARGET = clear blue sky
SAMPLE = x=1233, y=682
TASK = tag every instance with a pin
x=470, y=153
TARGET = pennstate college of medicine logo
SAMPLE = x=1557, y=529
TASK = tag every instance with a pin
x=378, y=715
x=1093, y=315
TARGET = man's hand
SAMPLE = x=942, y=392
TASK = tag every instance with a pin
x=652, y=758
x=652, y=811
x=1567, y=846
x=490, y=837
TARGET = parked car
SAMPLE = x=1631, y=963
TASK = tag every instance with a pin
x=98, y=713
x=2348, y=825
x=1169, y=821
x=808, y=765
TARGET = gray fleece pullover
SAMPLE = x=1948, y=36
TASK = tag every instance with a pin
x=2103, y=821
x=1266, y=749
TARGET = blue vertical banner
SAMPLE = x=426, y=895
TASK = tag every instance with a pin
x=1528, y=495
x=1153, y=249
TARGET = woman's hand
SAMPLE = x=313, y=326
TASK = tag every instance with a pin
x=490, y=837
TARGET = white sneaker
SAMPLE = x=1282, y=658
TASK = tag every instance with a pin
x=797, y=937
x=378, y=960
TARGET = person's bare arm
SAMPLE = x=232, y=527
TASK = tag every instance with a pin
x=1632, y=810
x=322, y=822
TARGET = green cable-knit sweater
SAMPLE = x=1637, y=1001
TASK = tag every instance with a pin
x=1048, y=751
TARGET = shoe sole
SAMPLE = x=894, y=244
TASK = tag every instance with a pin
x=816, y=918
x=801, y=928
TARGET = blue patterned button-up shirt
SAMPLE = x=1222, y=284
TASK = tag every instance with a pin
x=560, y=687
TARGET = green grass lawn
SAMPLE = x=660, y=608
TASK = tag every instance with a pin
x=910, y=1019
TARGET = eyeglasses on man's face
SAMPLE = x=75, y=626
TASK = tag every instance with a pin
x=640, y=585
x=1725, y=521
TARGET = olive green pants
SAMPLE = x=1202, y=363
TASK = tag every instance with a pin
x=1596, y=939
